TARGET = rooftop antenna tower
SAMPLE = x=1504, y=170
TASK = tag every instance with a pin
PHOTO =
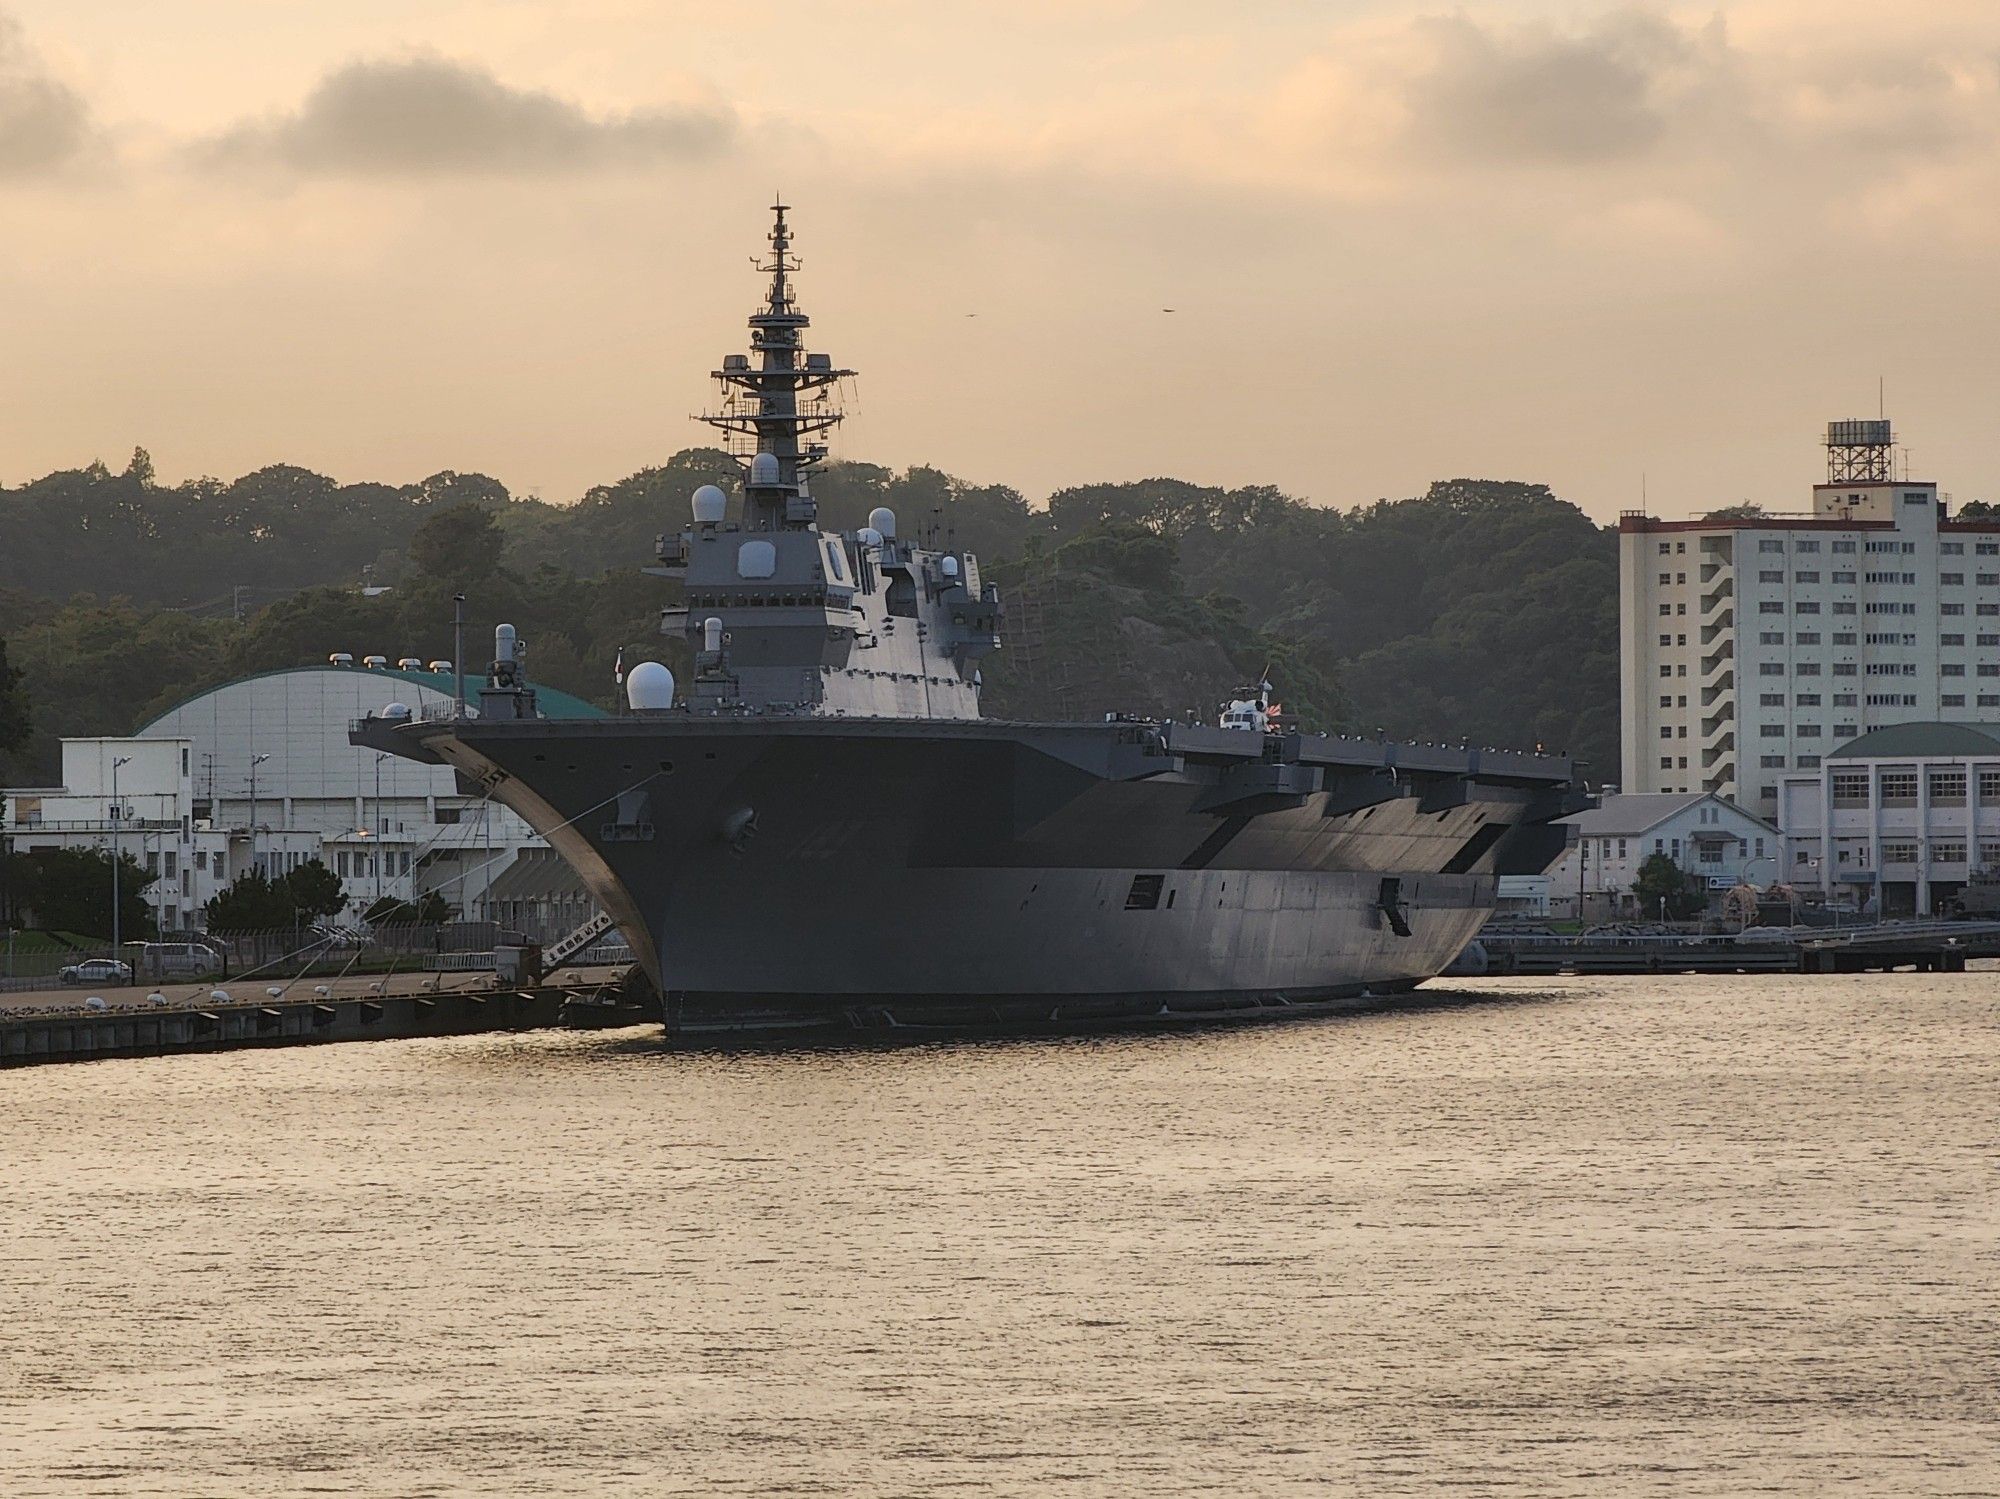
x=1860, y=452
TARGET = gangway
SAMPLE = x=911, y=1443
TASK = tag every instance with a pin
x=563, y=948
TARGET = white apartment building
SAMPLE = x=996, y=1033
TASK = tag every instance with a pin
x=1896, y=821
x=1753, y=643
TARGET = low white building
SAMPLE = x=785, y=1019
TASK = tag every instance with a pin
x=258, y=773
x=1895, y=821
x=1702, y=833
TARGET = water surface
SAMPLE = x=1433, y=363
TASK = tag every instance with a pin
x=1581, y=1237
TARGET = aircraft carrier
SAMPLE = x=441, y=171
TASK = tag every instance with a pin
x=819, y=833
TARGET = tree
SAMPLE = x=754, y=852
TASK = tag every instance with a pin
x=429, y=910
x=1662, y=880
x=14, y=722
x=69, y=890
x=458, y=545
x=250, y=903
x=254, y=902
x=314, y=890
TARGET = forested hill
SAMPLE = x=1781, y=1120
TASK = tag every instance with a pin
x=1481, y=609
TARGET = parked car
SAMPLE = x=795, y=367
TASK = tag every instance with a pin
x=165, y=959
x=98, y=971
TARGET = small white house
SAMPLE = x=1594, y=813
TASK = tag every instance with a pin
x=1702, y=833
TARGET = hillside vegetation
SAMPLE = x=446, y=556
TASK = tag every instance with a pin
x=1480, y=609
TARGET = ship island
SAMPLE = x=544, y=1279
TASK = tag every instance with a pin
x=818, y=834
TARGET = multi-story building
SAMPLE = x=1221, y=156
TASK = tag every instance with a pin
x=1896, y=821
x=133, y=797
x=1754, y=642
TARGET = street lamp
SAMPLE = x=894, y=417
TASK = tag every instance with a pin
x=458, y=653
x=117, y=829
x=377, y=854
x=255, y=761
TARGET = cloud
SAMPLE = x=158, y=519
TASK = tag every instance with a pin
x=1533, y=94
x=431, y=117
x=44, y=123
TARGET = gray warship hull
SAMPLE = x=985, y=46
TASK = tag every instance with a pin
x=812, y=873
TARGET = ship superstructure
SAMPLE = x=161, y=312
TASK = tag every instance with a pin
x=822, y=833
x=785, y=617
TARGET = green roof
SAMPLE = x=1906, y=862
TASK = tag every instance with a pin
x=1917, y=741
x=552, y=702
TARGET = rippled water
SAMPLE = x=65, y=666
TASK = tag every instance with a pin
x=1581, y=1237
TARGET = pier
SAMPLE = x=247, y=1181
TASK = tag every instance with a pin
x=57, y=1027
x=1919, y=946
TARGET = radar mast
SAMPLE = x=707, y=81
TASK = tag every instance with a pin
x=776, y=411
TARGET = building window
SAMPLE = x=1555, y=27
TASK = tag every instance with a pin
x=1951, y=548
x=1989, y=699
x=1770, y=668
x=1947, y=851
x=1947, y=788
x=1808, y=637
x=1666, y=671
x=1843, y=546
x=1666, y=640
x=1987, y=610
x=1843, y=606
x=1666, y=610
x=1666, y=762
x=1663, y=549
x=1899, y=852
x=1989, y=785
x=1770, y=546
x=1806, y=669
x=1666, y=733
x=1949, y=580
x=1806, y=762
x=1805, y=607
x=1808, y=731
x=1805, y=546
x=446, y=816
x=1769, y=575
x=1989, y=580
x=1953, y=669
x=1951, y=608
x=1951, y=640
x=1771, y=762
x=1845, y=731
x=1807, y=700
x=1665, y=579
x=1771, y=606
x=1667, y=701
x=1988, y=669
x=1850, y=788
x=1770, y=637
x=1899, y=788
x=1771, y=731
x=1843, y=700
x=1843, y=668
x=1954, y=700
x=1771, y=700
x=1805, y=577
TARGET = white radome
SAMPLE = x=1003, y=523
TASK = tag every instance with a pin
x=649, y=687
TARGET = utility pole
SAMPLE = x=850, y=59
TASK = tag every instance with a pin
x=117, y=828
x=255, y=761
x=458, y=651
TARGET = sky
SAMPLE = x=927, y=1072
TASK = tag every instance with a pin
x=1641, y=253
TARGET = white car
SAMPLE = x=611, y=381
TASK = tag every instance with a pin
x=97, y=971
